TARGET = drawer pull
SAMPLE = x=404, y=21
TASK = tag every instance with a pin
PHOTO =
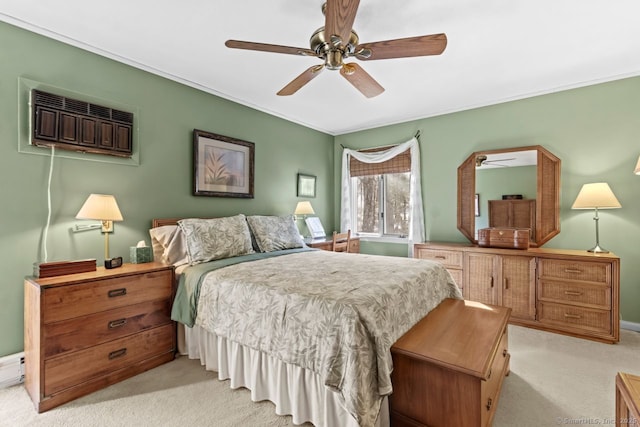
x=117, y=323
x=492, y=281
x=572, y=270
x=572, y=316
x=440, y=257
x=117, y=292
x=506, y=283
x=118, y=353
x=573, y=293
x=489, y=404
x=504, y=353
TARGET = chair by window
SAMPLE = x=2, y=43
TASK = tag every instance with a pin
x=341, y=241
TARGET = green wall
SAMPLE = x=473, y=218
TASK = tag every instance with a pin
x=594, y=130
x=160, y=186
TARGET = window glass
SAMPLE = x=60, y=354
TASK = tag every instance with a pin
x=381, y=204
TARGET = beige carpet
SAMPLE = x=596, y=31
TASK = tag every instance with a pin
x=554, y=380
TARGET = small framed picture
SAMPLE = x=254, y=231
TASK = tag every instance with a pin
x=477, y=204
x=306, y=185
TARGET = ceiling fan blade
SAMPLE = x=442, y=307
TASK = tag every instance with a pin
x=361, y=80
x=304, y=78
x=265, y=47
x=339, y=17
x=433, y=44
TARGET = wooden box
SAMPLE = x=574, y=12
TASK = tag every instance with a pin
x=503, y=237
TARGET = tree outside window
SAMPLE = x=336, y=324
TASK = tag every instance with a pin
x=381, y=204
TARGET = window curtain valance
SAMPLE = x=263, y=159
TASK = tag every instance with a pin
x=407, y=151
x=400, y=163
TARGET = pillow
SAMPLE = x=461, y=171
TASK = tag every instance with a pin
x=169, y=245
x=274, y=233
x=217, y=238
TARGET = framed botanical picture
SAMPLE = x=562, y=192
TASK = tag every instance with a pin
x=306, y=185
x=222, y=166
x=477, y=204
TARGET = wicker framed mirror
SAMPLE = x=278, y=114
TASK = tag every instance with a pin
x=546, y=221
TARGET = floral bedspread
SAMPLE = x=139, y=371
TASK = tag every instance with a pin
x=335, y=314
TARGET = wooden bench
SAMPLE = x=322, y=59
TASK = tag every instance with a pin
x=449, y=368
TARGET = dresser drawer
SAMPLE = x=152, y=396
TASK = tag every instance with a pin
x=594, y=296
x=491, y=386
x=82, y=332
x=450, y=259
x=597, y=272
x=67, y=302
x=588, y=319
x=75, y=368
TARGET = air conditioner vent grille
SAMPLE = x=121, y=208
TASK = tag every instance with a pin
x=75, y=106
x=48, y=99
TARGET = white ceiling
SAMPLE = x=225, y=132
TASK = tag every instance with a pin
x=498, y=50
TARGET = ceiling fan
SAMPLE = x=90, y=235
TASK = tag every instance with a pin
x=337, y=41
x=482, y=161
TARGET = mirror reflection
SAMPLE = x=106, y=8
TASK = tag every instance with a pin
x=506, y=189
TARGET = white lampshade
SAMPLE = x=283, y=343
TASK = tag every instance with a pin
x=637, y=169
x=101, y=207
x=596, y=195
x=304, y=208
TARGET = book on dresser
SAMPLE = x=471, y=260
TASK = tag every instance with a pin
x=88, y=330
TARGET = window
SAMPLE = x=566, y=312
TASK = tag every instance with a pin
x=380, y=196
x=381, y=204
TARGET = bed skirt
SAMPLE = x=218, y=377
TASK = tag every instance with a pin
x=295, y=391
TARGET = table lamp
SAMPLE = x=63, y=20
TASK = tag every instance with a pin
x=104, y=208
x=304, y=209
x=596, y=196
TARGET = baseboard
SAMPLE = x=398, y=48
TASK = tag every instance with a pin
x=630, y=325
x=11, y=370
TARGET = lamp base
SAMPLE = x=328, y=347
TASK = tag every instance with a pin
x=598, y=250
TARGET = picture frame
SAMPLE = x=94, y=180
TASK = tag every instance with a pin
x=222, y=166
x=306, y=185
x=477, y=204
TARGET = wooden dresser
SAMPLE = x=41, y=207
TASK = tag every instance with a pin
x=449, y=368
x=86, y=331
x=627, y=400
x=513, y=213
x=566, y=291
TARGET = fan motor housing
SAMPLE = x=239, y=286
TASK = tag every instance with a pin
x=325, y=49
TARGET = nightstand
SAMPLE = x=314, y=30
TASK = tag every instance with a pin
x=86, y=331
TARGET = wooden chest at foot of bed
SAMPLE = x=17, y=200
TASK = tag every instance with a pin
x=449, y=368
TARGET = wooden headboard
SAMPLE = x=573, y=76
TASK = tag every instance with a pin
x=160, y=222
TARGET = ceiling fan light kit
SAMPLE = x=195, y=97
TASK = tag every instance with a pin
x=333, y=50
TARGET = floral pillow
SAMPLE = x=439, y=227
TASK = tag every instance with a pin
x=217, y=238
x=275, y=233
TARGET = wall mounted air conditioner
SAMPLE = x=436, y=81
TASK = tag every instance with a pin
x=76, y=125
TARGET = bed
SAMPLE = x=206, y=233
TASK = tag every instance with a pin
x=309, y=330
